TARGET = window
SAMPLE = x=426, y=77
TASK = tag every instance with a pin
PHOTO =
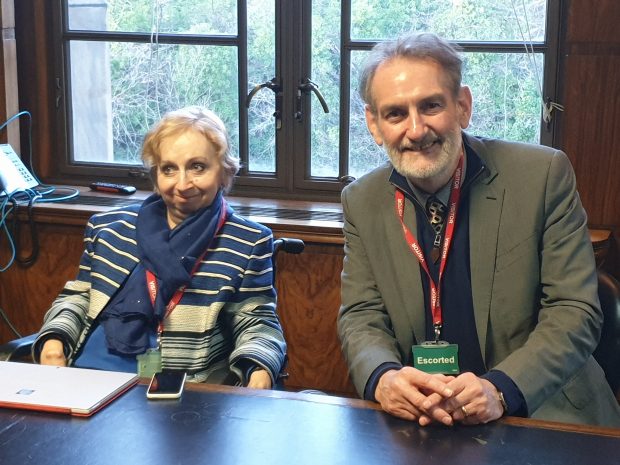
x=282, y=74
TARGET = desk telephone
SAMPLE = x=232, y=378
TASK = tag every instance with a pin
x=14, y=176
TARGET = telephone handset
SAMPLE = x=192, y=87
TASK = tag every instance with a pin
x=14, y=176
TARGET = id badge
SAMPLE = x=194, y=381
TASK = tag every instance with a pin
x=149, y=363
x=436, y=357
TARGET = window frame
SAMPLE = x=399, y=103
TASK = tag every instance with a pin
x=293, y=41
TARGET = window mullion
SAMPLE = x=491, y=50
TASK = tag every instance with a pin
x=283, y=71
x=345, y=86
x=548, y=133
x=299, y=35
x=242, y=57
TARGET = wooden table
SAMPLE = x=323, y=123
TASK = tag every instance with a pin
x=223, y=425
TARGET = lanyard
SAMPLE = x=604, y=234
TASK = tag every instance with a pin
x=151, y=280
x=455, y=195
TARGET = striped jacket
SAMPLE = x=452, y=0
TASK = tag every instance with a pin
x=227, y=312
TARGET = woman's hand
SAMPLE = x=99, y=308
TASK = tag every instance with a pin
x=260, y=379
x=53, y=353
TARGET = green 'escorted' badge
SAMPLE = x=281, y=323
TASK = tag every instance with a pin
x=436, y=357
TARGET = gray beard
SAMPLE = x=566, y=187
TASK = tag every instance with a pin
x=399, y=160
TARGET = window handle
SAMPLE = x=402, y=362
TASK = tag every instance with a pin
x=305, y=86
x=274, y=85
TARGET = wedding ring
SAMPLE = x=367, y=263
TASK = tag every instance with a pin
x=464, y=410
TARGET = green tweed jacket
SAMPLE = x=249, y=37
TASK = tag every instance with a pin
x=533, y=276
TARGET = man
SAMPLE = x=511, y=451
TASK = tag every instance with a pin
x=485, y=303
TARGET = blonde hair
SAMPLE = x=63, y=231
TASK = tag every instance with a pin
x=199, y=119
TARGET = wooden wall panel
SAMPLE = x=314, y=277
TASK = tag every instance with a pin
x=308, y=302
x=593, y=22
x=34, y=59
x=590, y=125
x=9, y=105
x=593, y=143
x=26, y=293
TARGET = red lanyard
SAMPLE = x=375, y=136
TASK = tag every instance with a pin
x=455, y=195
x=151, y=280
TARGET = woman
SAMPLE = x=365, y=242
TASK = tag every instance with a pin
x=178, y=282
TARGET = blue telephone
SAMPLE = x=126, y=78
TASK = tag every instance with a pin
x=14, y=176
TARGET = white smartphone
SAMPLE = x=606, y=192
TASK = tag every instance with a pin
x=166, y=385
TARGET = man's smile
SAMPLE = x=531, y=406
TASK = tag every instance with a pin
x=424, y=146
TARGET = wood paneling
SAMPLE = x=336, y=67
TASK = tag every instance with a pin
x=34, y=55
x=594, y=119
x=590, y=125
x=309, y=299
x=8, y=75
x=26, y=293
x=593, y=22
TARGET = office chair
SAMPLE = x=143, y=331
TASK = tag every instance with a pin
x=19, y=349
x=607, y=354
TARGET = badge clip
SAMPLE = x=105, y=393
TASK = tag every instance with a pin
x=437, y=332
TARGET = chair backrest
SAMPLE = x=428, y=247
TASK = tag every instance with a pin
x=288, y=245
x=608, y=351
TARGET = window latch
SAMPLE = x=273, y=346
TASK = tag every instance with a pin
x=275, y=86
x=307, y=85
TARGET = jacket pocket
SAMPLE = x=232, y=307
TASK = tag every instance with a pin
x=579, y=390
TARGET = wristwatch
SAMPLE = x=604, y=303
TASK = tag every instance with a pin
x=502, y=401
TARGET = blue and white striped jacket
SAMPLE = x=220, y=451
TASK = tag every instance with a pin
x=227, y=314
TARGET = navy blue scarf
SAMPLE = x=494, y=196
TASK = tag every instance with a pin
x=170, y=255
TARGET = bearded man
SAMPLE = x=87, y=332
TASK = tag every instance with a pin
x=469, y=288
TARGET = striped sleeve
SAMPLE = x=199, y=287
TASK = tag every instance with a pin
x=67, y=315
x=105, y=238
x=252, y=316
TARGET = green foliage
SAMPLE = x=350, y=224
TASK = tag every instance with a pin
x=149, y=79
x=181, y=16
x=507, y=104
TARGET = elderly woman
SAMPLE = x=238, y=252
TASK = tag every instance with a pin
x=178, y=282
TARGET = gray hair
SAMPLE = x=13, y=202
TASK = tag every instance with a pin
x=201, y=120
x=421, y=46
